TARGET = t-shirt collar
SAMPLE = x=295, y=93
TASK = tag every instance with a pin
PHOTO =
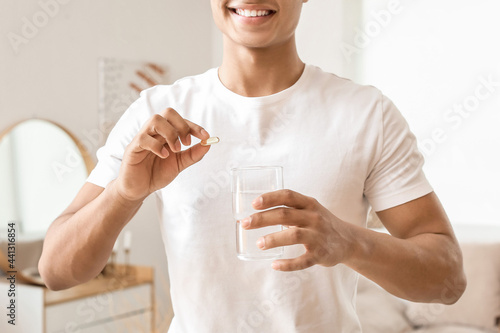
x=232, y=97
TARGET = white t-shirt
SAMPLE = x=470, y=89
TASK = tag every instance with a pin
x=344, y=144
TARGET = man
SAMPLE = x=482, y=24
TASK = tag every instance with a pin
x=343, y=147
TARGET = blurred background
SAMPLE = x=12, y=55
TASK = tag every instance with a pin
x=438, y=61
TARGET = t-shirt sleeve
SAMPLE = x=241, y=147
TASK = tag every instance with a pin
x=109, y=156
x=397, y=176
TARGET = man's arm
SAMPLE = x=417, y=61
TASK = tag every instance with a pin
x=421, y=261
x=78, y=243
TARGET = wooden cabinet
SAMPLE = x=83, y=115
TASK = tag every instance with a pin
x=114, y=303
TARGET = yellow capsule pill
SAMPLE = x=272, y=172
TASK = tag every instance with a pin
x=210, y=141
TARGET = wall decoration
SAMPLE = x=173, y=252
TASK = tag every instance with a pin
x=120, y=83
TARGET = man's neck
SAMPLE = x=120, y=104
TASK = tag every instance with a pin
x=253, y=72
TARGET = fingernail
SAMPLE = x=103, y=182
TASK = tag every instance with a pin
x=275, y=266
x=257, y=202
x=245, y=223
x=177, y=145
x=205, y=133
x=261, y=243
x=165, y=152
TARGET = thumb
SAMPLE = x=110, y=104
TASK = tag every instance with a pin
x=191, y=156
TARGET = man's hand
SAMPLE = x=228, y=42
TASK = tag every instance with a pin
x=154, y=158
x=327, y=239
x=420, y=261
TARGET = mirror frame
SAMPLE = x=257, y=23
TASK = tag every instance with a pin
x=87, y=159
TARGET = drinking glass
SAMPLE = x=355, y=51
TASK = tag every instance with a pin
x=246, y=185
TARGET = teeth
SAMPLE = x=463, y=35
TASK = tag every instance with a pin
x=252, y=13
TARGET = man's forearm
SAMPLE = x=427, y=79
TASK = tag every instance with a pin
x=423, y=268
x=77, y=245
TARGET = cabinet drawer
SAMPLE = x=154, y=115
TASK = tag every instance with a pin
x=102, y=309
x=140, y=323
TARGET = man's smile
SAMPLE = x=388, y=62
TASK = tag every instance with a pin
x=252, y=12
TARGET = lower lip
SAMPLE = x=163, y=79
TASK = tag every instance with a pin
x=252, y=20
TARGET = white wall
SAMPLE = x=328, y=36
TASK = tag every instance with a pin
x=438, y=61
x=320, y=32
x=54, y=75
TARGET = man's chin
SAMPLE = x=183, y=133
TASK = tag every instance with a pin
x=252, y=41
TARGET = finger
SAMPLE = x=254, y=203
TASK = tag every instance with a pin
x=160, y=126
x=183, y=127
x=191, y=156
x=197, y=130
x=295, y=264
x=283, y=197
x=279, y=216
x=286, y=237
x=145, y=142
x=170, y=131
x=179, y=123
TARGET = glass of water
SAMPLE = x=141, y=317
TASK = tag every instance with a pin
x=246, y=185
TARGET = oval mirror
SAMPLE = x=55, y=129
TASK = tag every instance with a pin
x=42, y=167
